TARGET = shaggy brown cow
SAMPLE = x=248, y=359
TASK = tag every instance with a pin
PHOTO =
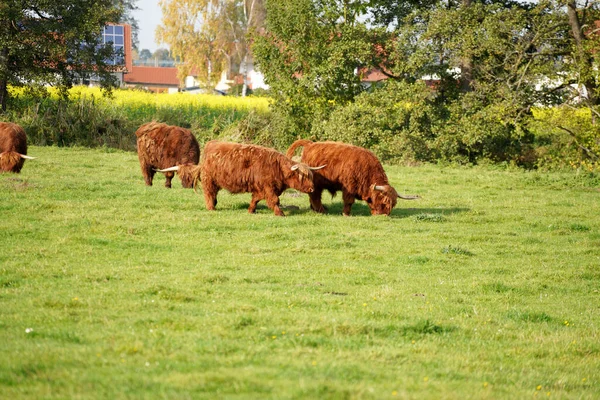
x=354, y=170
x=243, y=168
x=13, y=147
x=161, y=146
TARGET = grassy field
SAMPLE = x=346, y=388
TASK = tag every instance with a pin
x=488, y=287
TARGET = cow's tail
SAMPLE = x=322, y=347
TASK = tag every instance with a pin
x=298, y=143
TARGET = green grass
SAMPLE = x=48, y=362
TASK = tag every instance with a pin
x=487, y=287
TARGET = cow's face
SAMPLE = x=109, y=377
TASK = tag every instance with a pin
x=188, y=173
x=10, y=161
x=382, y=199
x=301, y=178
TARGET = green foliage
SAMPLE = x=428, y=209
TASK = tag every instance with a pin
x=404, y=122
x=259, y=128
x=111, y=289
x=567, y=137
x=396, y=121
x=87, y=119
x=309, y=54
x=56, y=42
x=490, y=63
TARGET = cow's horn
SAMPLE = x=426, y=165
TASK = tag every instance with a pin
x=294, y=167
x=175, y=168
x=379, y=188
x=316, y=168
x=27, y=157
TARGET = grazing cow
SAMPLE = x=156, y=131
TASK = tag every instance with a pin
x=161, y=146
x=243, y=168
x=354, y=170
x=13, y=147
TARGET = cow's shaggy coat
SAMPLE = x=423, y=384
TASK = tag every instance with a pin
x=240, y=168
x=13, y=146
x=353, y=170
x=161, y=146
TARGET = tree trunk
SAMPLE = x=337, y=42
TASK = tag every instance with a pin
x=3, y=78
x=585, y=59
x=466, y=65
x=3, y=96
x=244, y=72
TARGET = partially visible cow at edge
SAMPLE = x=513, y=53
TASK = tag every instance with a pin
x=161, y=146
x=13, y=147
x=262, y=171
x=354, y=170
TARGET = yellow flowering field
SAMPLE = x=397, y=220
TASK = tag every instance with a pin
x=90, y=118
x=141, y=99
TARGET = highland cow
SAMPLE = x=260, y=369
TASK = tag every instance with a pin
x=161, y=146
x=13, y=147
x=354, y=170
x=243, y=168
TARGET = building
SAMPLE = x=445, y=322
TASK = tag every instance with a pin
x=162, y=77
x=157, y=78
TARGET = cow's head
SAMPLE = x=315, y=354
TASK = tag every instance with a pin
x=188, y=173
x=382, y=199
x=301, y=177
x=11, y=161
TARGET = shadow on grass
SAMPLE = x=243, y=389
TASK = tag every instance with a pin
x=360, y=209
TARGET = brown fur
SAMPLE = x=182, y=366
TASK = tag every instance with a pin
x=352, y=169
x=243, y=168
x=162, y=146
x=13, y=143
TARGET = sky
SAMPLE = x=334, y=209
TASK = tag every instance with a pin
x=148, y=17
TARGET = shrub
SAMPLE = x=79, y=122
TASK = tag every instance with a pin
x=567, y=137
x=395, y=120
x=89, y=119
x=476, y=130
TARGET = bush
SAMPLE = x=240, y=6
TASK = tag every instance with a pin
x=566, y=137
x=89, y=119
x=264, y=129
x=396, y=121
x=474, y=132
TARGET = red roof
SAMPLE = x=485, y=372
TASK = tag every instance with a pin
x=372, y=75
x=152, y=76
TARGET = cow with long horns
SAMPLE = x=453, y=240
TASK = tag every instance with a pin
x=247, y=168
x=13, y=147
x=169, y=149
x=353, y=170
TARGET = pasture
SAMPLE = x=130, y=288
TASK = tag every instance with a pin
x=487, y=287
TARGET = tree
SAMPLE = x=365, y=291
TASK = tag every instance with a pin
x=310, y=53
x=243, y=16
x=55, y=42
x=209, y=36
x=145, y=54
x=162, y=54
x=128, y=7
x=584, y=24
x=189, y=28
x=491, y=61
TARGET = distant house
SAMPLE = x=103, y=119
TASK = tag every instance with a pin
x=161, y=76
x=157, y=78
x=254, y=79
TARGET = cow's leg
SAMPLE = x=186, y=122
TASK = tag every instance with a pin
x=210, y=191
x=169, y=175
x=348, y=201
x=148, y=173
x=315, y=201
x=255, y=199
x=273, y=203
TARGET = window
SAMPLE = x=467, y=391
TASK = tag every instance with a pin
x=115, y=34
